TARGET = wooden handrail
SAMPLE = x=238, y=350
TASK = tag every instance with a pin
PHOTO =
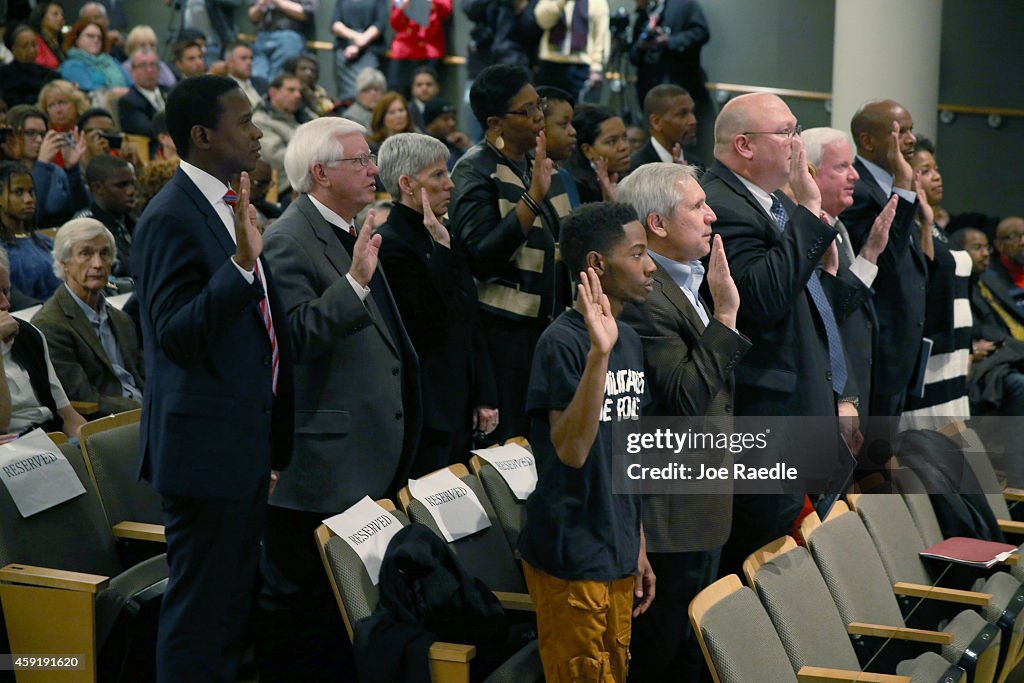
x=328, y=46
x=825, y=96
x=816, y=95
x=781, y=92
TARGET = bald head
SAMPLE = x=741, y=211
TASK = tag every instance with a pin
x=753, y=138
x=871, y=127
x=1010, y=238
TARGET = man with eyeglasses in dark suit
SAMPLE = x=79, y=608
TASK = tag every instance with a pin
x=357, y=396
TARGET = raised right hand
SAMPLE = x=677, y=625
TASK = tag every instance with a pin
x=878, y=238
x=432, y=224
x=543, y=168
x=903, y=174
x=805, y=190
x=597, y=313
x=248, y=236
x=365, y=253
x=723, y=288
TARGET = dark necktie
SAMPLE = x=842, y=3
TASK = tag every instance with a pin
x=580, y=28
x=836, y=355
x=231, y=199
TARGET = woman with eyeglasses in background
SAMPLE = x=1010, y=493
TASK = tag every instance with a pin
x=506, y=208
x=90, y=65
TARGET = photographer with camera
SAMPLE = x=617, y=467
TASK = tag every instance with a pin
x=59, y=191
x=103, y=137
x=667, y=39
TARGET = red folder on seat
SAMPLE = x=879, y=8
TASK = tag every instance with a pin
x=970, y=551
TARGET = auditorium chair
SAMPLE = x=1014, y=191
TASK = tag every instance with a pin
x=898, y=542
x=510, y=510
x=740, y=644
x=111, y=449
x=789, y=585
x=486, y=554
x=65, y=591
x=357, y=597
x=863, y=593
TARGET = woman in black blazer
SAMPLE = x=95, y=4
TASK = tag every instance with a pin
x=436, y=298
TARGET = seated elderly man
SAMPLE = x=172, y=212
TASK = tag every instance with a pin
x=32, y=396
x=94, y=347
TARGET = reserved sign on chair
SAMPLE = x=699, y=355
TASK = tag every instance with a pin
x=36, y=473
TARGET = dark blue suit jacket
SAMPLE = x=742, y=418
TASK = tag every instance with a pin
x=787, y=371
x=211, y=425
x=900, y=285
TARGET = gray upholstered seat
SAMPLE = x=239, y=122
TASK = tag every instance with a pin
x=111, y=448
x=861, y=588
x=357, y=598
x=808, y=623
x=511, y=511
x=741, y=642
x=486, y=554
x=72, y=537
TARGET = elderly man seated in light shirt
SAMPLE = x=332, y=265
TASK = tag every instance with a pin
x=32, y=396
x=94, y=346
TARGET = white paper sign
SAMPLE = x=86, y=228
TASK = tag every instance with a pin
x=453, y=505
x=37, y=474
x=368, y=529
x=516, y=466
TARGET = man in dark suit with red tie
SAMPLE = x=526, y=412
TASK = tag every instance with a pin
x=217, y=414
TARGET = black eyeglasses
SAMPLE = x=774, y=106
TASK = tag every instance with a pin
x=790, y=133
x=364, y=160
x=529, y=110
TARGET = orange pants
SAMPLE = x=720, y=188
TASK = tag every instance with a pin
x=583, y=627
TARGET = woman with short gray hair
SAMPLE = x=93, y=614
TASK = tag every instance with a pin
x=436, y=296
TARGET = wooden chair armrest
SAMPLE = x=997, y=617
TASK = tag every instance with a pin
x=1010, y=526
x=517, y=601
x=1016, y=495
x=917, y=590
x=451, y=652
x=900, y=633
x=818, y=674
x=86, y=407
x=45, y=577
x=140, y=531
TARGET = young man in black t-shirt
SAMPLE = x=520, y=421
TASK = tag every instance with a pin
x=583, y=545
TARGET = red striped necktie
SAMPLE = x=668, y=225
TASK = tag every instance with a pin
x=231, y=199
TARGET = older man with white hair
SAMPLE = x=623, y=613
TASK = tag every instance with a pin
x=94, y=347
x=831, y=162
x=691, y=351
x=357, y=394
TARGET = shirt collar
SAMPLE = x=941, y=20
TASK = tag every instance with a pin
x=882, y=177
x=210, y=187
x=664, y=154
x=763, y=197
x=686, y=274
x=329, y=215
x=94, y=316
